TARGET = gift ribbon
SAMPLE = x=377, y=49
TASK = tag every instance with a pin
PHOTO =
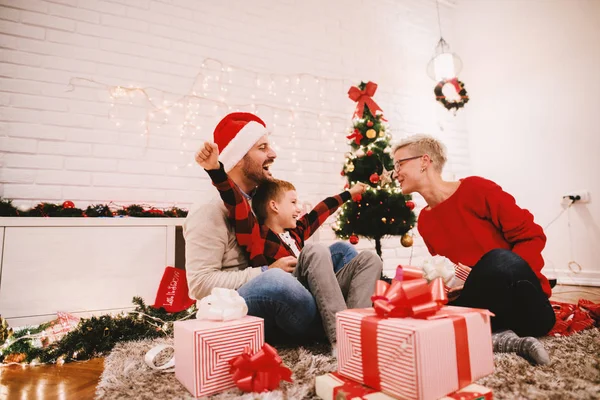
x=169, y=366
x=260, y=372
x=222, y=305
x=364, y=97
x=412, y=298
x=349, y=389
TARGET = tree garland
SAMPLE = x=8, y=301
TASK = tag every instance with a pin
x=460, y=89
x=68, y=209
x=92, y=337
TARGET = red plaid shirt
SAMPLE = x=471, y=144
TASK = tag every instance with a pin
x=262, y=244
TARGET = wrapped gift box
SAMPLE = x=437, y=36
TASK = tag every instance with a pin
x=203, y=349
x=335, y=387
x=471, y=392
x=415, y=358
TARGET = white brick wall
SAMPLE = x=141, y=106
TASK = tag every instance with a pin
x=59, y=144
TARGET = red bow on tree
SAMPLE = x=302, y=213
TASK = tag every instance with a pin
x=260, y=372
x=363, y=97
x=357, y=136
x=413, y=298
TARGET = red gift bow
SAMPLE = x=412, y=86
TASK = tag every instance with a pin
x=409, y=298
x=260, y=372
x=364, y=97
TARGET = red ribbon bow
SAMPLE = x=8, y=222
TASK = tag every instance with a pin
x=409, y=298
x=260, y=372
x=364, y=97
x=357, y=136
x=454, y=82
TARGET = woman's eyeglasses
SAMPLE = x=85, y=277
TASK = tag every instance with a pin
x=398, y=163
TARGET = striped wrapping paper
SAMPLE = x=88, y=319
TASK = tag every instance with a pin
x=203, y=349
x=415, y=358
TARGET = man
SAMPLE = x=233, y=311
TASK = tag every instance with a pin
x=284, y=292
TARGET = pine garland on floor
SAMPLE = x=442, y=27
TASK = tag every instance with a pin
x=93, y=337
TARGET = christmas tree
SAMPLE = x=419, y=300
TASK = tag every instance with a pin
x=382, y=210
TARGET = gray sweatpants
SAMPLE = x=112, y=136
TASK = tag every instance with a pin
x=351, y=287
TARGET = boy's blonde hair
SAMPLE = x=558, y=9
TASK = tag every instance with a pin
x=425, y=144
x=267, y=191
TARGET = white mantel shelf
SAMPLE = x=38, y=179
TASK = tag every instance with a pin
x=90, y=221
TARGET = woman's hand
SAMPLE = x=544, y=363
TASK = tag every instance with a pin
x=208, y=156
x=454, y=293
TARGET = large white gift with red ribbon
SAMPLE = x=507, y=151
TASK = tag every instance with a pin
x=411, y=346
x=204, y=347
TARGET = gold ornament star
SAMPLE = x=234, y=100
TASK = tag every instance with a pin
x=386, y=176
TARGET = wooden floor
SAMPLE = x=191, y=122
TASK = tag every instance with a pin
x=78, y=380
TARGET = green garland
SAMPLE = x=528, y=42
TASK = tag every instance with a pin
x=95, y=336
x=68, y=209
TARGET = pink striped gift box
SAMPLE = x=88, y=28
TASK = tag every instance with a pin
x=415, y=358
x=203, y=349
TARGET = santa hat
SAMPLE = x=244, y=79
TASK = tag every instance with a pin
x=235, y=135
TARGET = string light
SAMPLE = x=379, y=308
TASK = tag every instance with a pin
x=209, y=94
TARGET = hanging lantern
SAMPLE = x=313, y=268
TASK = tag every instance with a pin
x=444, y=64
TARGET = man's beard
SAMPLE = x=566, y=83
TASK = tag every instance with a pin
x=255, y=172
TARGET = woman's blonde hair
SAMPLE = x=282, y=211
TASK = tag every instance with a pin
x=425, y=144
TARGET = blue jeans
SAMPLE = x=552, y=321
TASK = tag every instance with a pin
x=288, y=308
x=503, y=283
x=341, y=254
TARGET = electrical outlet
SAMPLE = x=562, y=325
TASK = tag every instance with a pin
x=580, y=196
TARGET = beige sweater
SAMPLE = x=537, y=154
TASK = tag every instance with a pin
x=212, y=256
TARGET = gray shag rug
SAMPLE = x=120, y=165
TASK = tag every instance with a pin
x=573, y=374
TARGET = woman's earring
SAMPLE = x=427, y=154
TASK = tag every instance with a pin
x=422, y=170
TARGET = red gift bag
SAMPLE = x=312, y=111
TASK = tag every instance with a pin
x=172, y=292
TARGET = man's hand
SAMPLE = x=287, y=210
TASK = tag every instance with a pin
x=358, y=188
x=287, y=263
x=208, y=156
x=455, y=292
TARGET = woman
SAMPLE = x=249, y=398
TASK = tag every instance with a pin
x=479, y=227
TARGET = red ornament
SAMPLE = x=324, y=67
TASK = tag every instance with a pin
x=68, y=204
x=369, y=123
x=374, y=178
x=342, y=173
x=410, y=204
x=353, y=239
x=357, y=197
x=370, y=153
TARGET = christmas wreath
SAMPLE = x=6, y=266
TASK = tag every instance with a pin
x=460, y=89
